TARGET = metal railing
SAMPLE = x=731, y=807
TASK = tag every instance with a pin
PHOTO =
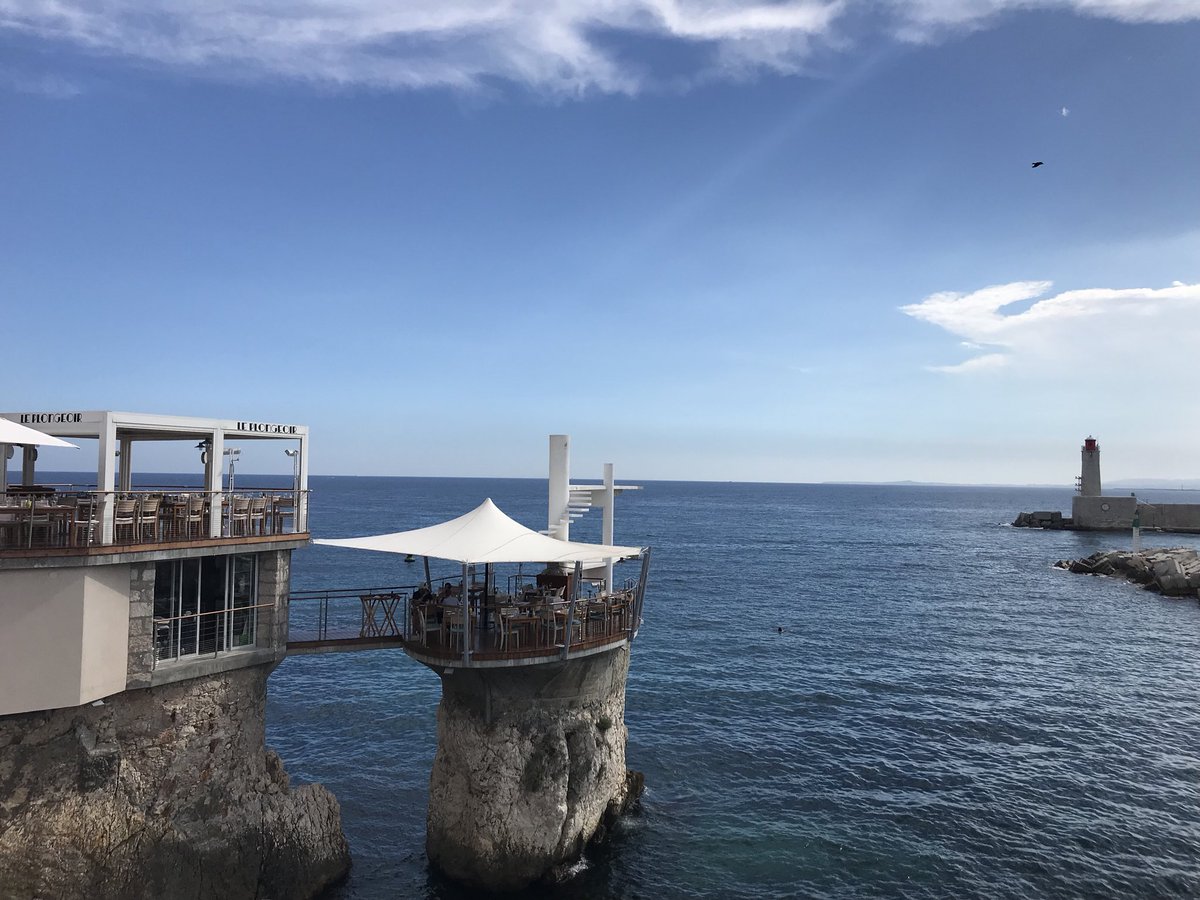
x=206, y=633
x=83, y=519
x=496, y=626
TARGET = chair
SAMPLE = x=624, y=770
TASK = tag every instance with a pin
x=193, y=515
x=258, y=515
x=425, y=626
x=147, y=517
x=239, y=516
x=597, y=617
x=87, y=519
x=282, y=509
x=455, y=625
x=506, y=632
x=125, y=517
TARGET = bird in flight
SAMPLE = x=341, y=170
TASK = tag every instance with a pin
x=1038, y=163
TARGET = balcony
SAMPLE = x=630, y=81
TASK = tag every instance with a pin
x=507, y=628
x=45, y=521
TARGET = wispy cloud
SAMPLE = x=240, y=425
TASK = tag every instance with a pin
x=562, y=48
x=42, y=85
x=1106, y=329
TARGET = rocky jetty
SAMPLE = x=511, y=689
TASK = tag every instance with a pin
x=1173, y=573
x=530, y=768
x=167, y=792
x=1042, y=519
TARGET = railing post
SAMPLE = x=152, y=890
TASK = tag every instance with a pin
x=571, y=608
x=639, y=594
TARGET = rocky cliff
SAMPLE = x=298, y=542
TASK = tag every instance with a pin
x=167, y=792
x=530, y=767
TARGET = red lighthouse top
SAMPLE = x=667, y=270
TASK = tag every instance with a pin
x=1090, y=445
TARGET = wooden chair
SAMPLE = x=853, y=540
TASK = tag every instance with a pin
x=87, y=520
x=258, y=515
x=125, y=517
x=147, y=517
x=239, y=516
x=192, y=517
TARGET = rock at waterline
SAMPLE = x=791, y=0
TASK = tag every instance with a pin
x=1172, y=573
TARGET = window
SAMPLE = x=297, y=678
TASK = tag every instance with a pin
x=205, y=606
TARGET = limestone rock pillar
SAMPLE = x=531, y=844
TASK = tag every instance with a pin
x=530, y=766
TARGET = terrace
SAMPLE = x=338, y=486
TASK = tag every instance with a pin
x=523, y=623
x=571, y=607
x=114, y=514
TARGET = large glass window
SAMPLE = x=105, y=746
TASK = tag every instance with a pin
x=205, y=606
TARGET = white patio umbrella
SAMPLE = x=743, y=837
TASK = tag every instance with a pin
x=14, y=433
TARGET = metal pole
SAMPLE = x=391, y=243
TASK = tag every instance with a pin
x=571, y=608
x=466, y=618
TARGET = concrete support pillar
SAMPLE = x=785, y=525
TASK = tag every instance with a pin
x=28, y=465
x=212, y=481
x=106, y=478
x=126, y=466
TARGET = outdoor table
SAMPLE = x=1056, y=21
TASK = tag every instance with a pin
x=16, y=521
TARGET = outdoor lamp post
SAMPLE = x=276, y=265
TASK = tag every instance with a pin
x=232, y=453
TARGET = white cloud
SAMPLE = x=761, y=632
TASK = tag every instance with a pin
x=987, y=362
x=554, y=47
x=1114, y=331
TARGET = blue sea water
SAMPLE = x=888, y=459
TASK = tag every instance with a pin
x=944, y=714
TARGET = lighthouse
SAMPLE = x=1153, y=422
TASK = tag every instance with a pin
x=1089, y=476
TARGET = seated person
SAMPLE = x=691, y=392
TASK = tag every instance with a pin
x=450, y=594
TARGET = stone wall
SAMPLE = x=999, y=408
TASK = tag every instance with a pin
x=167, y=792
x=1102, y=513
x=530, y=766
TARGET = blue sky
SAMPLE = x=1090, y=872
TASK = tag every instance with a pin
x=781, y=242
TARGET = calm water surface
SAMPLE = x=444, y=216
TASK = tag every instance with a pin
x=945, y=715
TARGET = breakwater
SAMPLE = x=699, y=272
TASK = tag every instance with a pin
x=1173, y=573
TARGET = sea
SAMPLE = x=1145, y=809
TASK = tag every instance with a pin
x=944, y=713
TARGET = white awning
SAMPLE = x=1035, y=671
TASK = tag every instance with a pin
x=15, y=433
x=484, y=535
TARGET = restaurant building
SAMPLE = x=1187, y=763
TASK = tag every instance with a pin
x=140, y=624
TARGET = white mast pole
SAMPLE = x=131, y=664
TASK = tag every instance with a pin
x=606, y=524
x=558, y=522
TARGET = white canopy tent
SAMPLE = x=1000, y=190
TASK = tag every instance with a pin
x=485, y=535
x=15, y=433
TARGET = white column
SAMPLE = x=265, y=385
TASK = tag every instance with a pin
x=28, y=467
x=126, y=481
x=558, y=522
x=301, y=516
x=212, y=473
x=606, y=523
x=5, y=449
x=106, y=478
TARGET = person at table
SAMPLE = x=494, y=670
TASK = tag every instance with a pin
x=450, y=595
